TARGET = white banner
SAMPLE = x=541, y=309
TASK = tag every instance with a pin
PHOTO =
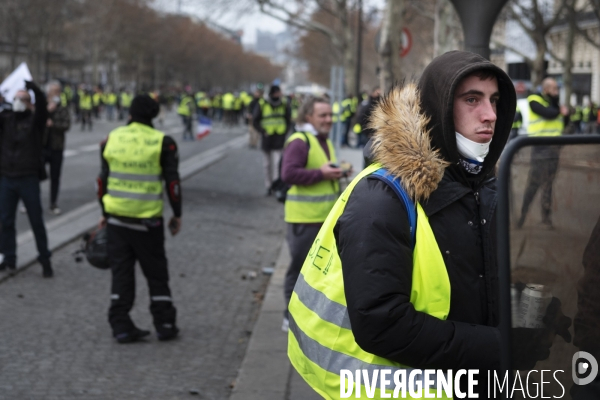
x=15, y=82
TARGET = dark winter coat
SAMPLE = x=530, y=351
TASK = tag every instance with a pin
x=21, y=137
x=415, y=140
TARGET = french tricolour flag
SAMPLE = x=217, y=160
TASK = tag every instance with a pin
x=203, y=127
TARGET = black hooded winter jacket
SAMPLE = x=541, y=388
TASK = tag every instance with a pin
x=373, y=238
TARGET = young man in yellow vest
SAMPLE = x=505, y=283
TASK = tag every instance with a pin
x=137, y=161
x=308, y=165
x=403, y=271
x=272, y=119
x=546, y=118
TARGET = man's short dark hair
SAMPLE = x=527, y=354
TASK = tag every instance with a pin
x=483, y=74
x=308, y=107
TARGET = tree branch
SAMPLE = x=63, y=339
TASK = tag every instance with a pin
x=292, y=19
x=584, y=33
x=519, y=19
x=505, y=46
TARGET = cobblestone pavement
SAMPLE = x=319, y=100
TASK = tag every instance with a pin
x=56, y=341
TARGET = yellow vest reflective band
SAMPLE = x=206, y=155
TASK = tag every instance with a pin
x=312, y=203
x=135, y=180
x=85, y=101
x=125, y=100
x=184, y=106
x=357, y=129
x=539, y=126
x=273, y=119
x=228, y=100
x=320, y=339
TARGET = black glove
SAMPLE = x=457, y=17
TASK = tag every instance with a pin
x=530, y=346
x=30, y=85
x=557, y=321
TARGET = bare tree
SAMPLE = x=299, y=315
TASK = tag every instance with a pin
x=298, y=14
x=536, y=18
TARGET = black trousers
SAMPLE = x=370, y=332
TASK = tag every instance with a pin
x=125, y=247
x=55, y=159
x=300, y=238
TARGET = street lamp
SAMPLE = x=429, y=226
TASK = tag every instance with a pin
x=477, y=18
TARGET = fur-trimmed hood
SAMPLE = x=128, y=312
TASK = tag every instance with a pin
x=401, y=142
x=414, y=135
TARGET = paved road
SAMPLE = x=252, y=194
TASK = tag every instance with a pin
x=56, y=341
x=81, y=164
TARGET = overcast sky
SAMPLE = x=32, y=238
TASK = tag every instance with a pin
x=242, y=18
x=243, y=15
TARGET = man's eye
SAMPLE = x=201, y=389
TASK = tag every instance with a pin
x=494, y=100
x=471, y=100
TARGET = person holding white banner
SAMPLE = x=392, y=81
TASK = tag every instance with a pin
x=21, y=168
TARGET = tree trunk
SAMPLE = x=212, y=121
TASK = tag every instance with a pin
x=538, y=68
x=390, y=44
x=568, y=64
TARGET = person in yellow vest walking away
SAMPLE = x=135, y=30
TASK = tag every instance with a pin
x=546, y=118
x=309, y=165
x=86, y=105
x=124, y=102
x=272, y=119
x=110, y=101
x=186, y=110
x=402, y=275
x=137, y=161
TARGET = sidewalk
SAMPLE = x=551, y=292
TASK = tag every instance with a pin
x=266, y=373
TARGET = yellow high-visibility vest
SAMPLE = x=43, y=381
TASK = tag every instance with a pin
x=539, y=126
x=184, y=106
x=135, y=180
x=320, y=338
x=125, y=100
x=227, y=101
x=273, y=119
x=85, y=101
x=312, y=203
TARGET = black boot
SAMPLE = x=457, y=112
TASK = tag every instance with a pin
x=132, y=336
x=47, y=271
x=167, y=332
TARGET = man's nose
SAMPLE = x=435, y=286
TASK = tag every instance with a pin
x=489, y=112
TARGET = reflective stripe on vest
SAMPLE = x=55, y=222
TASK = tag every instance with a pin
x=539, y=126
x=320, y=339
x=135, y=180
x=312, y=203
x=273, y=119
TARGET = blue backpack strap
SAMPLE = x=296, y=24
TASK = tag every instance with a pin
x=383, y=175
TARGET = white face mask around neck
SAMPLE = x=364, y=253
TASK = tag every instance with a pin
x=472, y=150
